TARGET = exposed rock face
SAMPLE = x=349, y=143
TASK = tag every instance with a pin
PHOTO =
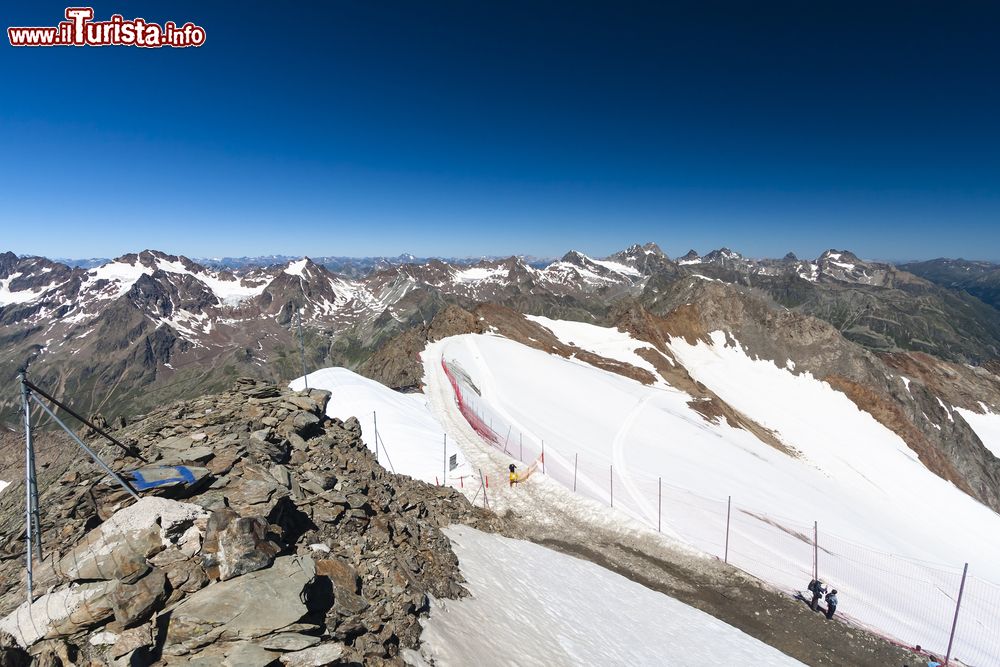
x=942, y=439
x=236, y=545
x=248, y=607
x=218, y=569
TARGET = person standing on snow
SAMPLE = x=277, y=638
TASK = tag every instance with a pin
x=818, y=588
x=513, y=475
x=831, y=603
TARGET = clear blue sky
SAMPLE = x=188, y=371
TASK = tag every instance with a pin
x=466, y=128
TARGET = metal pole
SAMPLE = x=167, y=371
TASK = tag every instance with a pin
x=28, y=456
x=816, y=550
x=97, y=459
x=375, y=422
x=576, y=458
x=505, y=440
x=389, y=460
x=302, y=348
x=444, y=478
x=543, y=457
x=659, y=504
x=486, y=485
x=729, y=508
x=520, y=440
x=36, y=516
x=958, y=605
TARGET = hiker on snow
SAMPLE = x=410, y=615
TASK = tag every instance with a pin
x=831, y=603
x=513, y=475
x=817, y=588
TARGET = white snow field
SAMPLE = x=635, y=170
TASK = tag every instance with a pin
x=892, y=535
x=986, y=426
x=534, y=606
x=410, y=438
x=3, y=485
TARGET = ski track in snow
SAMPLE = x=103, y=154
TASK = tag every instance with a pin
x=860, y=480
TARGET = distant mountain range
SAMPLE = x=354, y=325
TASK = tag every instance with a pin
x=354, y=267
x=980, y=279
x=146, y=327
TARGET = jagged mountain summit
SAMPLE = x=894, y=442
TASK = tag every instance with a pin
x=170, y=325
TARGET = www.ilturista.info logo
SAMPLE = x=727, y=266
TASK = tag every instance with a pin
x=79, y=29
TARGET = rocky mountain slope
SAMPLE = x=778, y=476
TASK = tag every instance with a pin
x=277, y=537
x=980, y=279
x=148, y=328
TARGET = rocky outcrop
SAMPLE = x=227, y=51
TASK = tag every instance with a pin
x=944, y=442
x=287, y=544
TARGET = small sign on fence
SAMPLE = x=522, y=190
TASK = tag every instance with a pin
x=452, y=462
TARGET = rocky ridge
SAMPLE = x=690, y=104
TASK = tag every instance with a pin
x=175, y=328
x=276, y=539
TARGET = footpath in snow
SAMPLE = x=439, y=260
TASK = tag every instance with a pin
x=534, y=606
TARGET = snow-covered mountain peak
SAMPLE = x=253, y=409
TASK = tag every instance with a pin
x=722, y=255
x=691, y=257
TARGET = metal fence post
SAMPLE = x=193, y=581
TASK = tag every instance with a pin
x=816, y=550
x=954, y=622
x=375, y=420
x=486, y=486
x=444, y=479
x=659, y=503
x=543, y=457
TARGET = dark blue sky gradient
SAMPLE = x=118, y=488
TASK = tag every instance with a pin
x=468, y=128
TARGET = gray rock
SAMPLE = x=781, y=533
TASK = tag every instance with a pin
x=289, y=641
x=132, y=640
x=135, y=603
x=304, y=403
x=245, y=654
x=236, y=545
x=305, y=423
x=227, y=654
x=106, y=555
x=176, y=442
x=247, y=607
x=346, y=585
x=317, y=656
x=281, y=475
x=60, y=614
